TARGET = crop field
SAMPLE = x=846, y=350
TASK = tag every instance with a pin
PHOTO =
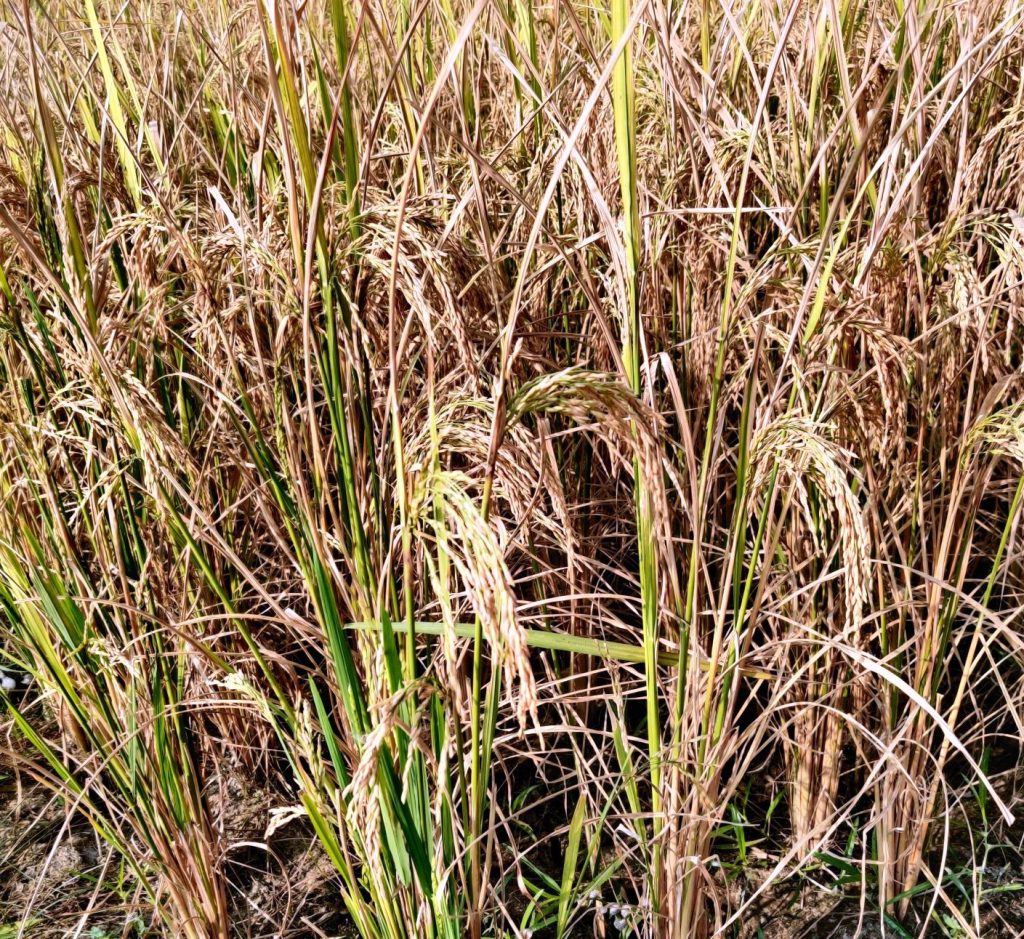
x=539, y=469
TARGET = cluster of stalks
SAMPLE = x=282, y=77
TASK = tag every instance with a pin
x=510, y=431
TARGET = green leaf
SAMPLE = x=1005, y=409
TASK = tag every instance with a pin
x=572, y=850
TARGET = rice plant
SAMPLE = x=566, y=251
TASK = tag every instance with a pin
x=487, y=468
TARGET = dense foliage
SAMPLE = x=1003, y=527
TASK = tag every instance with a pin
x=544, y=449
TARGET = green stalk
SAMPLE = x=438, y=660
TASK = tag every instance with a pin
x=56, y=164
x=350, y=143
x=624, y=111
x=117, y=118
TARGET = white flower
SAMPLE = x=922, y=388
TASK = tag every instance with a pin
x=281, y=816
x=7, y=683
